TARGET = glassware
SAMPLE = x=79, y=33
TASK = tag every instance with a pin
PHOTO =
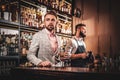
x=65, y=56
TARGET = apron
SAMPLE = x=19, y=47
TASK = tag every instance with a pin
x=79, y=62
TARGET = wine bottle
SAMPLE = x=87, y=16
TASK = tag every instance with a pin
x=5, y=13
x=14, y=13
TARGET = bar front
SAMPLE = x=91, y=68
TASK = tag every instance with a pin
x=64, y=73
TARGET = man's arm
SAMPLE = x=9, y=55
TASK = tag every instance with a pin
x=71, y=46
x=31, y=55
x=77, y=56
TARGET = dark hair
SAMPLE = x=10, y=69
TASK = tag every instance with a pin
x=51, y=13
x=79, y=25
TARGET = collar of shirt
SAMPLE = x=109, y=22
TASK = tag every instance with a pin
x=51, y=34
x=79, y=39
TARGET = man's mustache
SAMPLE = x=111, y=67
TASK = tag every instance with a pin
x=50, y=25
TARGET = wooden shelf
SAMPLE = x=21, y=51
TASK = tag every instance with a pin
x=8, y=57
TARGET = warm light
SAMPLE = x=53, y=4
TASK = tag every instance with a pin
x=3, y=7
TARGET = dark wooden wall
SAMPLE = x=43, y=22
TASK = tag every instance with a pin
x=102, y=18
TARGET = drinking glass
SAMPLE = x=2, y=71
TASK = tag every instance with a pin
x=65, y=56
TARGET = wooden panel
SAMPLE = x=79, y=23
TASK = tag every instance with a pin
x=102, y=19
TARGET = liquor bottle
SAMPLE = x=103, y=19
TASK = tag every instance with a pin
x=57, y=4
x=8, y=40
x=4, y=50
x=0, y=12
x=2, y=9
x=29, y=38
x=0, y=49
x=24, y=43
x=69, y=9
x=16, y=44
x=39, y=16
x=11, y=44
x=24, y=15
x=3, y=37
x=24, y=47
x=14, y=12
x=59, y=28
x=60, y=5
x=5, y=13
x=0, y=38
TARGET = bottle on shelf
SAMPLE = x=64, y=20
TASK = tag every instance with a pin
x=69, y=9
x=64, y=27
x=39, y=16
x=26, y=38
x=3, y=50
x=31, y=16
x=0, y=38
x=14, y=12
x=23, y=46
x=8, y=43
x=4, y=12
x=16, y=44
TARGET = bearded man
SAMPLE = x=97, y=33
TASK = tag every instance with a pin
x=45, y=43
x=77, y=49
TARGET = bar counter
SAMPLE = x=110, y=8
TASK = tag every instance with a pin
x=64, y=73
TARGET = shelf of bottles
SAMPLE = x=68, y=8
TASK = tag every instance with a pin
x=25, y=41
x=9, y=10
x=9, y=42
x=29, y=14
x=64, y=26
x=63, y=9
x=32, y=15
x=63, y=6
x=64, y=41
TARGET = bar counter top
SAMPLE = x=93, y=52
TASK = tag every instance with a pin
x=65, y=73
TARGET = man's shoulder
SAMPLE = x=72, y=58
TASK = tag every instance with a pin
x=73, y=38
x=39, y=33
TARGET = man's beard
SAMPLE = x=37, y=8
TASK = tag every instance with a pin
x=82, y=34
x=50, y=28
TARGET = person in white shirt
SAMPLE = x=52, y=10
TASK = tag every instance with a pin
x=77, y=47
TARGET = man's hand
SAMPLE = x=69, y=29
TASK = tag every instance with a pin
x=45, y=64
x=64, y=56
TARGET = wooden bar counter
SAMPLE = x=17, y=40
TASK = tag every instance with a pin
x=64, y=73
